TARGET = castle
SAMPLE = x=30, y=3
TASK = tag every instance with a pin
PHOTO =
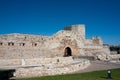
x=35, y=55
x=68, y=42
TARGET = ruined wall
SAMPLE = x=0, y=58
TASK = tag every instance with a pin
x=45, y=70
x=17, y=46
x=50, y=66
x=26, y=46
x=43, y=66
x=115, y=56
x=31, y=54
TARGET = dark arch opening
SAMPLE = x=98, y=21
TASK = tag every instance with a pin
x=67, y=52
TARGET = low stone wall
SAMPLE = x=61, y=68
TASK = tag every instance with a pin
x=113, y=52
x=56, y=60
x=115, y=56
x=43, y=66
x=51, y=69
x=35, y=61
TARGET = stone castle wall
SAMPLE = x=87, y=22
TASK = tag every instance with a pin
x=35, y=55
x=17, y=46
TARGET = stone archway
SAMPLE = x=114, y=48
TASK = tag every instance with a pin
x=67, y=52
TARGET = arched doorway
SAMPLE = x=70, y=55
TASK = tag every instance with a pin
x=67, y=52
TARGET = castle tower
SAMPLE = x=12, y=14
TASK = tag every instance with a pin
x=78, y=28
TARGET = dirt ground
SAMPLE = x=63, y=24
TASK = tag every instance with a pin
x=100, y=65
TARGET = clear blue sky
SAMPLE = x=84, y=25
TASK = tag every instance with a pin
x=46, y=17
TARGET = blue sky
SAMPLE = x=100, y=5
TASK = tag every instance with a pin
x=46, y=17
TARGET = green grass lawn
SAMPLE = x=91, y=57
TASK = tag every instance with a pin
x=96, y=75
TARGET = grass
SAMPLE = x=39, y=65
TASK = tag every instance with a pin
x=96, y=75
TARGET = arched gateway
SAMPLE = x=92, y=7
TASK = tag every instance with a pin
x=67, y=52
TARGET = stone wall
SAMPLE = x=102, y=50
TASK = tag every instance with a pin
x=35, y=61
x=50, y=66
x=25, y=46
x=31, y=54
x=10, y=62
x=113, y=52
x=115, y=56
x=43, y=66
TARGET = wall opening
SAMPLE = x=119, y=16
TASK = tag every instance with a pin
x=1, y=43
x=10, y=44
x=34, y=44
x=67, y=52
x=22, y=44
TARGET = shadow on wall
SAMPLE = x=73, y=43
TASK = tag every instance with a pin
x=7, y=74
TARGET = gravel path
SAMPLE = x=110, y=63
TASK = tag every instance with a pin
x=100, y=65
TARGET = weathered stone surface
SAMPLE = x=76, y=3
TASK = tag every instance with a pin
x=43, y=66
x=25, y=46
x=62, y=67
x=35, y=55
x=10, y=62
x=116, y=56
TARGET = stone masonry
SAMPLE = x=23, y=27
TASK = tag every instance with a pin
x=71, y=40
x=36, y=55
